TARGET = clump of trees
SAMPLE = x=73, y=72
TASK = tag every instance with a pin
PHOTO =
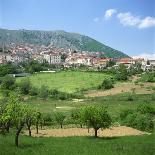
x=141, y=118
x=14, y=114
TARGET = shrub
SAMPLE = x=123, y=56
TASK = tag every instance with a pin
x=33, y=91
x=140, y=121
x=130, y=97
x=43, y=92
x=25, y=86
x=106, y=84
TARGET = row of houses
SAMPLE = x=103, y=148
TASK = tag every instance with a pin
x=68, y=57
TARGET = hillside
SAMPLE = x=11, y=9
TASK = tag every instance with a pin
x=59, y=39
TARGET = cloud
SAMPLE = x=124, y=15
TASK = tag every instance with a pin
x=147, y=22
x=127, y=19
x=146, y=56
x=96, y=19
x=109, y=13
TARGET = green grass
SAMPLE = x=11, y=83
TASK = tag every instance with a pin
x=131, y=145
x=114, y=103
x=68, y=81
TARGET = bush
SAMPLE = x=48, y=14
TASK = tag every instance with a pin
x=33, y=91
x=43, y=92
x=48, y=119
x=146, y=109
x=140, y=121
x=25, y=86
x=106, y=84
x=130, y=97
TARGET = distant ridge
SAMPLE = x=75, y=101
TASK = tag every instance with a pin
x=60, y=39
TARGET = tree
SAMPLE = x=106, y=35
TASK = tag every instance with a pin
x=8, y=83
x=122, y=73
x=76, y=116
x=18, y=113
x=60, y=117
x=30, y=119
x=38, y=119
x=25, y=86
x=96, y=117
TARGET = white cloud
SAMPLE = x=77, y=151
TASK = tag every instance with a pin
x=127, y=19
x=146, y=56
x=109, y=13
x=147, y=22
x=96, y=19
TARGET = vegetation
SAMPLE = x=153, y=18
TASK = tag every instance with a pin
x=140, y=118
x=60, y=117
x=68, y=81
x=106, y=84
x=96, y=117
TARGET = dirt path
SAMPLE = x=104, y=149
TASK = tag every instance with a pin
x=122, y=88
x=113, y=132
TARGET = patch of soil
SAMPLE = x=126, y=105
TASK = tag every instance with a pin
x=121, y=88
x=112, y=132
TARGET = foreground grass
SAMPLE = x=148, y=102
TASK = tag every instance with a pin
x=68, y=81
x=133, y=145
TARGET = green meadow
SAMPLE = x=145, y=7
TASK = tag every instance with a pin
x=68, y=81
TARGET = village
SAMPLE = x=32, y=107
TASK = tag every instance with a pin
x=18, y=53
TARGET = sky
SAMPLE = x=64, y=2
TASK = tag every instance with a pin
x=126, y=25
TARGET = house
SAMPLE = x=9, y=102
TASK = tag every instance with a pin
x=128, y=62
x=100, y=62
x=52, y=58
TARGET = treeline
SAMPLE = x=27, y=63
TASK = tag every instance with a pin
x=30, y=66
x=25, y=87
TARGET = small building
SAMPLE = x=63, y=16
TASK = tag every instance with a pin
x=52, y=58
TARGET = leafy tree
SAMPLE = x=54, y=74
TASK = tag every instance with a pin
x=38, y=119
x=8, y=83
x=8, y=68
x=122, y=73
x=30, y=119
x=18, y=113
x=96, y=117
x=76, y=116
x=60, y=117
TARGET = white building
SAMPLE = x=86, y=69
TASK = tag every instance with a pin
x=52, y=58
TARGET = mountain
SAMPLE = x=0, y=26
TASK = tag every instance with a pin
x=59, y=39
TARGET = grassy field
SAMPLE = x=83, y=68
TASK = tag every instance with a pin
x=114, y=103
x=129, y=145
x=69, y=81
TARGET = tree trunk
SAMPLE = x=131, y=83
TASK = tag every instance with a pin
x=95, y=133
x=29, y=128
x=37, y=128
x=8, y=126
x=88, y=129
x=17, y=134
x=61, y=125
